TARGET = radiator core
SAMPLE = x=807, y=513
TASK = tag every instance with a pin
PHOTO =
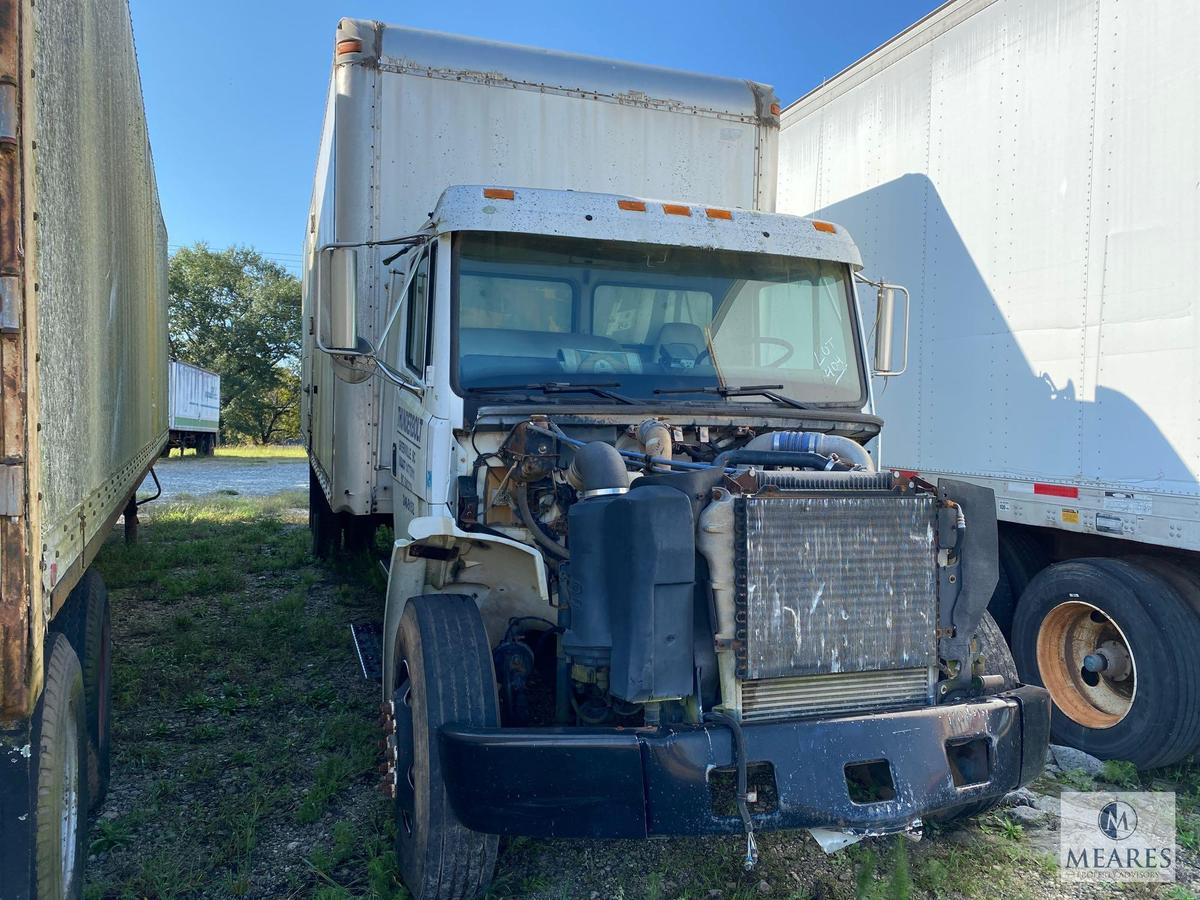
x=829, y=584
x=825, y=695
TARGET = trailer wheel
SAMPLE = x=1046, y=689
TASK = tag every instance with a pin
x=61, y=804
x=444, y=675
x=1114, y=644
x=322, y=521
x=97, y=682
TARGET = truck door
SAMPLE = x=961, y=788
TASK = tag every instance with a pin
x=416, y=429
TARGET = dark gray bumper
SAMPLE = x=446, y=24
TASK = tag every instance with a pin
x=612, y=782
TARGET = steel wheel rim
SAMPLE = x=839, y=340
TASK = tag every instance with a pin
x=69, y=817
x=1071, y=631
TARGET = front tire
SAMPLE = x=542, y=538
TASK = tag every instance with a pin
x=1114, y=644
x=61, y=804
x=444, y=675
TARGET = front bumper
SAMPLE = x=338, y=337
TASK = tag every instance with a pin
x=638, y=782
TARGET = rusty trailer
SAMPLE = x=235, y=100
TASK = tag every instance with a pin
x=83, y=356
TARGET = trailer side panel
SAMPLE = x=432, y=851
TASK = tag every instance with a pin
x=101, y=262
x=1026, y=171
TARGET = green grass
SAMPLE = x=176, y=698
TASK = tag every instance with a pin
x=261, y=451
x=244, y=736
x=245, y=752
x=249, y=452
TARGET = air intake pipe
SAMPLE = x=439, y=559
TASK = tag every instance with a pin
x=814, y=442
x=598, y=470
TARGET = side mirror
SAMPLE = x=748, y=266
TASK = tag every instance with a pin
x=885, y=330
x=337, y=319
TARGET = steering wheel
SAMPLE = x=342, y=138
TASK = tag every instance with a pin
x=789, y=351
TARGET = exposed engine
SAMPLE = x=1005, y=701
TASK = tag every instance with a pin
x=770, y=575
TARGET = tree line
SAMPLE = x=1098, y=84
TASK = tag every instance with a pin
x=237, y=313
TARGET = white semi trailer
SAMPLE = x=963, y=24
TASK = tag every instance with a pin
x=642, y=552
x=1029, y=170
x=83, y=414
x=194, y=410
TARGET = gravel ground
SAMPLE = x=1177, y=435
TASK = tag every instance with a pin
x=198, y=476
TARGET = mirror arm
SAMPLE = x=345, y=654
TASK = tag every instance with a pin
x=410, y=241
x=397, y=378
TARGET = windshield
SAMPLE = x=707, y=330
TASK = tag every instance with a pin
x=637, y=318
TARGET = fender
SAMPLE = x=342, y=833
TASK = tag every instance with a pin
x=506, y=578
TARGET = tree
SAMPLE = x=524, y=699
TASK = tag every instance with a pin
x=237, y=313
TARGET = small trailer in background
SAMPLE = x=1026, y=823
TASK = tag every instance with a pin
x=1030, y=170
x=195, y=408
x=83, y=415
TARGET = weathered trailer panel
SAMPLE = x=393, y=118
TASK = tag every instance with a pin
x=84, y=321
x=1030, y=171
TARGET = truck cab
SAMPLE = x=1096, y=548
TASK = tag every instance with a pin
x=646, y=563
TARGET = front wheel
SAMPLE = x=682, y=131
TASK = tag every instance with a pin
x=444, y=674
x=1114, y=644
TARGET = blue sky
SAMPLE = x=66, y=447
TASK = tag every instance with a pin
x=234, y=90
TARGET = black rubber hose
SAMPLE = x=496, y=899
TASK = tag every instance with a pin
x=600, y=468
x=794, y=458
x=741, y=763
x=547, y=543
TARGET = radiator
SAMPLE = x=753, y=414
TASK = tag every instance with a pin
x=825, y=695
x=835, y=583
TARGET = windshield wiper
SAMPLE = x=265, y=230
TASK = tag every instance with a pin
x=746, y=390
x=558, y=387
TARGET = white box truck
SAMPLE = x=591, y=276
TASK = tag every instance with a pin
x=194, y=416
x=83, y=414
x=642, y=553
x=1030, y=172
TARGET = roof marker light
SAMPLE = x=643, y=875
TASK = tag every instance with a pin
x=632, y=205
x=677, y=209
x=775, y=110
x=349, y=45
x=827, y=227
x=499, y=194
x=719, y=214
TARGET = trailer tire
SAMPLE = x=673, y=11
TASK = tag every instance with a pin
x=322, y=522
x=1003, y=604
x=1021, y=556
x=1116, y=612
x=85, y=621
x=96, y=661
x=444, y=675
x=61, y=800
